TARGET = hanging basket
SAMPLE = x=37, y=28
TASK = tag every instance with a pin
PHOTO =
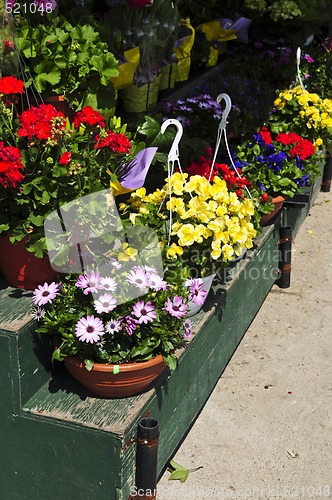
x=20, y=268
x=137, y=99
x=116, y=381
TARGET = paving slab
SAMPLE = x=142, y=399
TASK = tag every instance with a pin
x=266, y=430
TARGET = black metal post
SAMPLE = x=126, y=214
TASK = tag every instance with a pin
x=327, y=174
x=285, y=258
x=146, y=459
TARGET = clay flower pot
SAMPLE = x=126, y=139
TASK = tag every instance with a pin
x=267, y=219
x=116, y=381
x=20, y=268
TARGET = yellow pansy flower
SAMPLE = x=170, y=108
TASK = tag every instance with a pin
x=174, y=250
x=186, y=235
x=228, y=251
x=128, y=253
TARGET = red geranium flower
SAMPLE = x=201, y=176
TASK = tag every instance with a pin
x=10, y=85
x=43, y=122
x=65, y=158
x=89, y=116
x=10, y=166
x=288, y=138
x=266, y=135
x=8, y=46
x=116, y=142
x=303, y=149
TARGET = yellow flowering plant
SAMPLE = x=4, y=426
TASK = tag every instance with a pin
x=305, y=113
x=201, y=224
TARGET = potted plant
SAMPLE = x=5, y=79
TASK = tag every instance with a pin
x=305, y=113
x=115, y=332
x=146, y=27
x=236, y=182
x=279, y=164
x=202, y=225
x=67, y=60
x=49, y=161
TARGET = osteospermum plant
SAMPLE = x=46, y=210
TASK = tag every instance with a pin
x=119, y=318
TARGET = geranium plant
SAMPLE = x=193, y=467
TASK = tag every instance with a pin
x=95, y=319
x=48, y=161
x=279, y=164
x=201, y=224
x=67, y=60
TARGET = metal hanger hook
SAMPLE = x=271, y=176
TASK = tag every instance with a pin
x=173, y=154
x=228, y=107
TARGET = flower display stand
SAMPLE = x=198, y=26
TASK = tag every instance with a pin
x=59, y=440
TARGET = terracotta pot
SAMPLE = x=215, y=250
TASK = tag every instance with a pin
x=267, y=219
x=20, y=268
x=104, y=380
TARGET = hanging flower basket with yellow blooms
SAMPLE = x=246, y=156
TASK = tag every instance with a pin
x=202, y=226
x=305, y=113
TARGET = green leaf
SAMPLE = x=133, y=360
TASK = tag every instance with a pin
x=177, y=472
x=88, y=364
x=4, y=227
x=43, y=78
x=45, y=197
x=171, y=362
x=37, y=220
x=151, y=129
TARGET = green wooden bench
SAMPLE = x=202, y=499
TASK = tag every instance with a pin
x=59, y=441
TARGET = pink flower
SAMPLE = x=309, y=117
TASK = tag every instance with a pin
x=89, y=329
x=176, y=307
x=90, y=282
x=144, y=312
x=105, y=303
x=197, y=292
x=44, y=294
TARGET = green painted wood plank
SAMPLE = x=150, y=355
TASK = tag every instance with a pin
x=15, y=308
x=44, y=460
x=9, y=377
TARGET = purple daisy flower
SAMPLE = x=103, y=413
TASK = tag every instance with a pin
x=176, y=307
x=38, y=313
x=130, y=324
x=113, y=326
x=145, y=312
x=109, y=284
x=105, y=303
x=45, y=293
x=89, y=282
x=197, y=292
x=156, y=282
x=138, y=277
x=187, y=328
x=89, y=329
